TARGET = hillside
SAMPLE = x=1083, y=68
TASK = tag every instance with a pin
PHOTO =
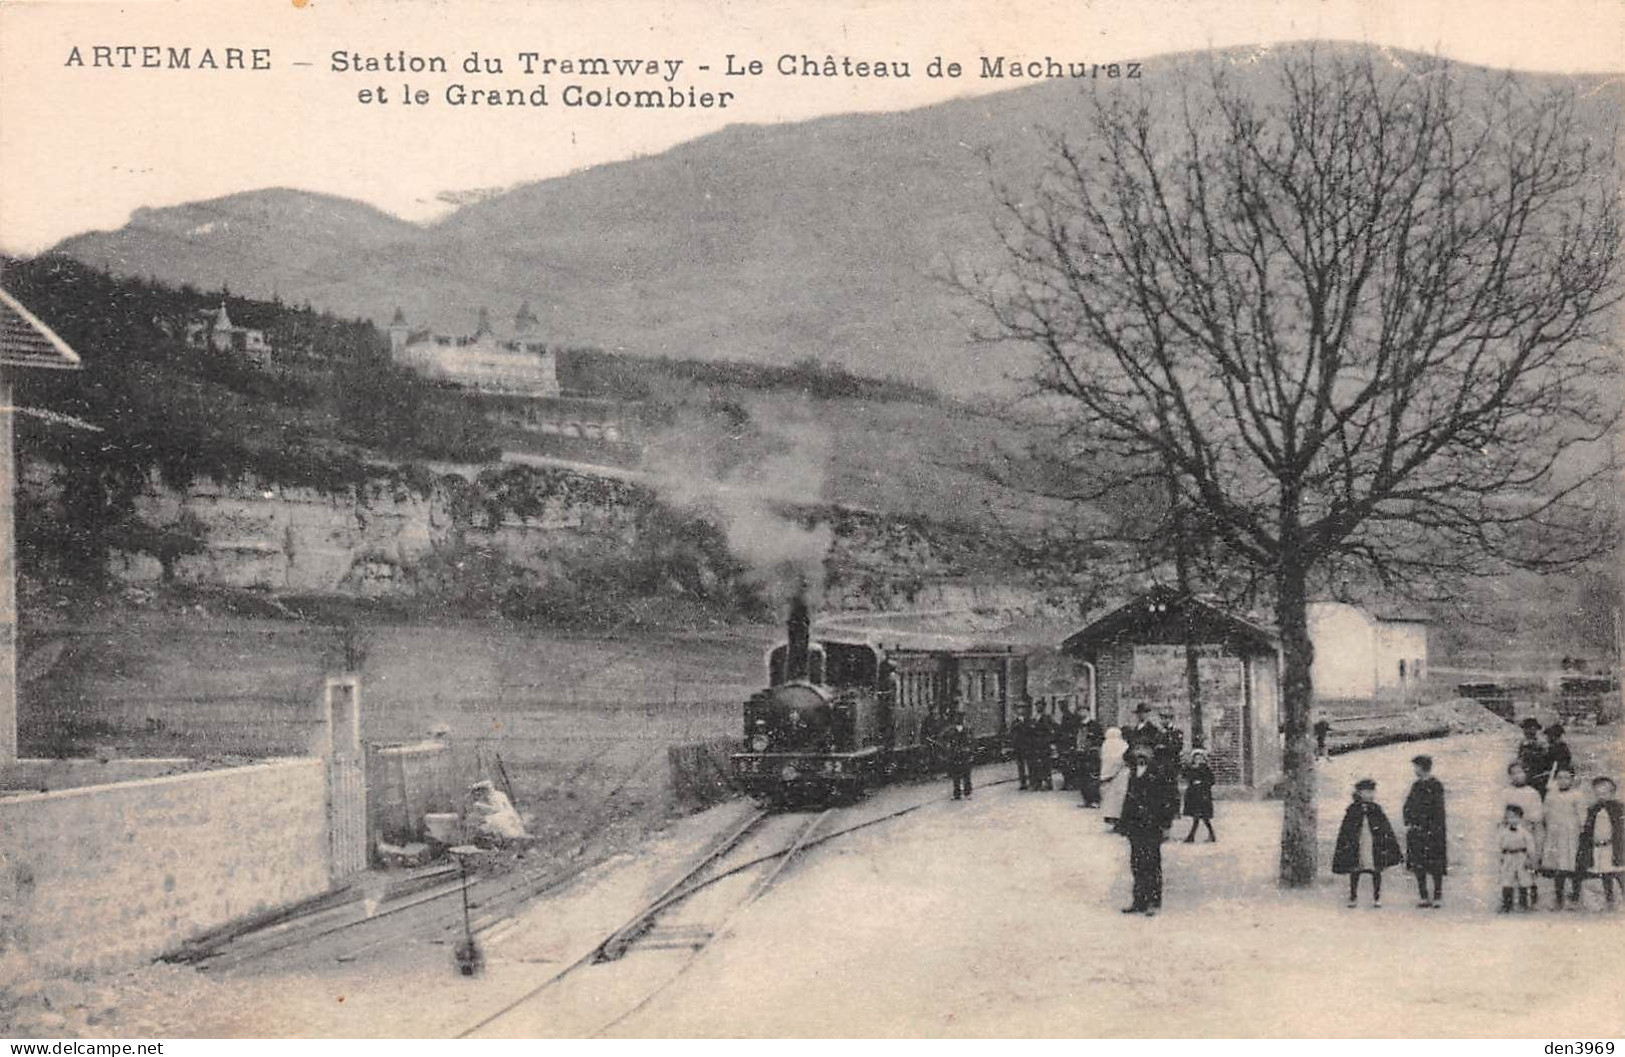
x=759, y=244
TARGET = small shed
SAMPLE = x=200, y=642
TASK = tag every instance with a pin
x=1138, y=655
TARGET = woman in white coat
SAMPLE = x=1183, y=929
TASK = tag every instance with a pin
x=1113, y=775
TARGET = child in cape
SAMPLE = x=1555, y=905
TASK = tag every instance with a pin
x=1366, y=843
x=1199, y=795
x=1517, y=849
x=1602, y=840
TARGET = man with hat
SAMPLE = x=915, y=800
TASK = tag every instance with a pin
x=1041, y=752
x=1144, y=816
x=1533, y=755
x=1148, y=732
x=959, y=746
x=1021, y=739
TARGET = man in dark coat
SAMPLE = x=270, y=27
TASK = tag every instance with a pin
x=1426, y=853
x=1145, y=815
x=1040, y=753
x=959, y=749
x=1559, y=756
x=1089, y=763
x=1067, y=737
x=1537, y=762
x=1602, y=840
x=1021, y=741
x=1148, y=733
x=1322, y=729
x=1366, y=843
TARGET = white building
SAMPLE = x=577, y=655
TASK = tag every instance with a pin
x=1366, y=657
x=215, y=329
x=516, y=363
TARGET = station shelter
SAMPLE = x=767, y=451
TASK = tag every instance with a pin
x=1138, y=656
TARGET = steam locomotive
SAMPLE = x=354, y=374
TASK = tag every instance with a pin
x=845, y=713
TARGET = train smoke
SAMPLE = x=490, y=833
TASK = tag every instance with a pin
x=747, y=475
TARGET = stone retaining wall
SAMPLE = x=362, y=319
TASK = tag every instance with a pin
x=110, y=875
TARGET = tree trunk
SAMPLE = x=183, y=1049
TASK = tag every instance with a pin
x=1299, y=821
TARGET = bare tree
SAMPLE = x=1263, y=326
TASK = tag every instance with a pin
x=1359, y=316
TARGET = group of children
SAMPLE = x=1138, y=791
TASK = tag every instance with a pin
x=1551, y=829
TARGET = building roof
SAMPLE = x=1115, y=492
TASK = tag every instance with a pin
x=1389, y=615
x=25, y=340
x=1161, y=605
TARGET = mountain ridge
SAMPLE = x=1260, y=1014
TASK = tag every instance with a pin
x=756, y=242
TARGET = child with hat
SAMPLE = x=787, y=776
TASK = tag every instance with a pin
x=1366, y=843
x=1517, y=850
x=1532, y=811
x=1602, y=840
x=1199, y=795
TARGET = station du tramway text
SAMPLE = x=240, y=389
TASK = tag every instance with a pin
x=667, y=95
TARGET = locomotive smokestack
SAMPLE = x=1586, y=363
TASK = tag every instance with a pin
x=797, y=660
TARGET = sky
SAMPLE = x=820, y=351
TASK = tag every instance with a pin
x=83, y=147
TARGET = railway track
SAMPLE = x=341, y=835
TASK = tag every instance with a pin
x=623, y=972
x=664, y=939
x=670, y=933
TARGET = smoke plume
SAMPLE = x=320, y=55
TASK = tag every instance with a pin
x=745, y=472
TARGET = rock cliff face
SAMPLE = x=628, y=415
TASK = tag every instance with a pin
x=391, y=536
x=370, y=542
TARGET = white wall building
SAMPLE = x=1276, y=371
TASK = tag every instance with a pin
x=517, y=362
x=1366, y=657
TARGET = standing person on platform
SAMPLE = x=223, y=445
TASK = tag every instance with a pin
x=1558, y=754
x=1535, y=759
x=1426, y=850
x=1322, y=729
x=1144, y=817
x=1165, y=768
x=959, y=748
x=1089, y=763
x=1602, y=840
x=1199, y=795
x=1517, y=850
x=1365, y=843
x=1020, y=740
x=1041, y=750
x=1565, y=810
x=1532, y=813
x=1068, y=736
x=1148, y=732
x=1113, y=776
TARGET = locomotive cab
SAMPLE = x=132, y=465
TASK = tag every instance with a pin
x=816, y=732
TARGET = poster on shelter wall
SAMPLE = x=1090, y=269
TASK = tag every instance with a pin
x=1160, y=686
x=541, y=364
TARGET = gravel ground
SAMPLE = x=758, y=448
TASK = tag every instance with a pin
x=993, y=917
x=1000, y=917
